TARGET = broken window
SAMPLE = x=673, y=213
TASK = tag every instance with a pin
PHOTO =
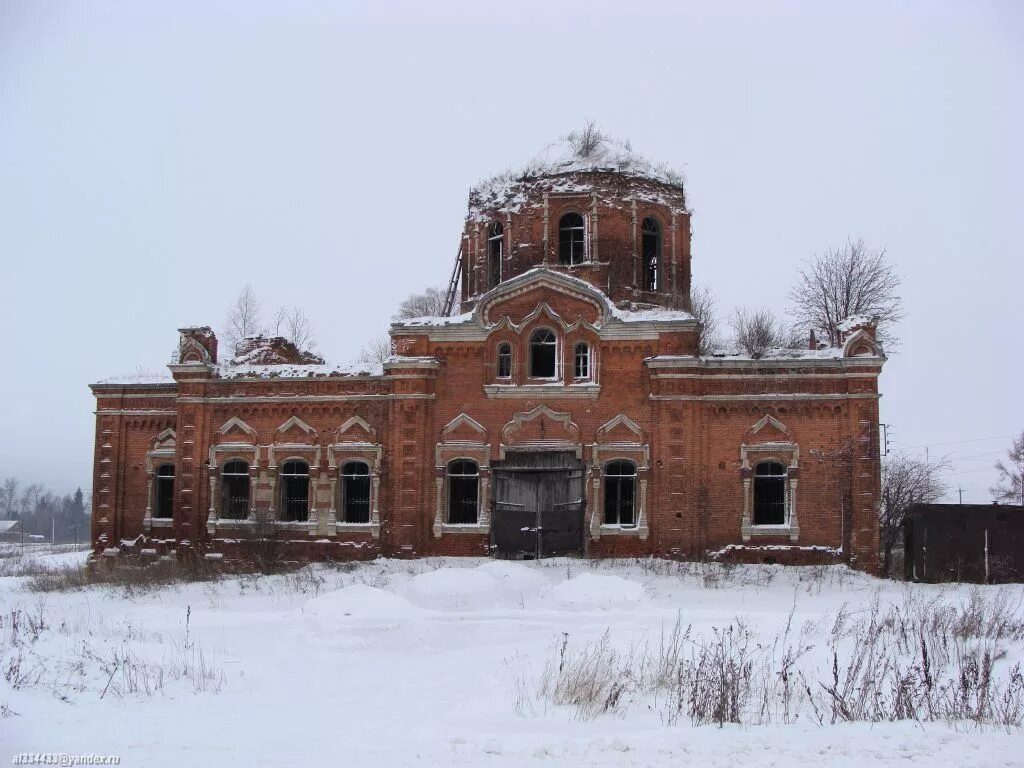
x=355, y=492
x=619, y=493
x=234, y=490
x=571, y=239
x=543, y=354
x=463, y=492
x=294, y=479
x=581, y=368
x=164, y=492
x=504, y=360
x=770, y=493
x=651, y=250
x=495, y=247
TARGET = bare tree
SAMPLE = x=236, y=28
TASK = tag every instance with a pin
x=757, y=331
x=430, y=303
x=848, y=281
x=9, y=498
x=294, y=326
x=906, y=480
x=377, y=350
x=1010, y=487
x=244, y=318
x=701, y=305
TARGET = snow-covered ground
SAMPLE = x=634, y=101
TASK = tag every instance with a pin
x=438, y=662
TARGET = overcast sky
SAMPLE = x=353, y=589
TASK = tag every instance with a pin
x=155, y=158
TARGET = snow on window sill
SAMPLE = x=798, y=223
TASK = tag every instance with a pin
x=582, y=389
x=342, y=527
x=620, y=530
x=161, y=522
x=783, y=529
x=464, y=528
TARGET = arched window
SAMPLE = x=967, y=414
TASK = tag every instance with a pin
x=571, y=239
x=651, y=250
x=543, y=354
x=504, y=360
x=294, y=480
x=164, y=492
x=619, y=493
x=495, y=247
x=581, y=362
x=463, y=492
x=355, y=492
x=770, y=493
x=234, y=490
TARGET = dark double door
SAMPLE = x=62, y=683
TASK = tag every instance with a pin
x=538, y=504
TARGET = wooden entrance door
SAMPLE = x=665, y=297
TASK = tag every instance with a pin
x=538, y=505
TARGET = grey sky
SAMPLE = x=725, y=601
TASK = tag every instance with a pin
x=155, y=158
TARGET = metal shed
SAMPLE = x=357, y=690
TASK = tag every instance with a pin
x=980, y=543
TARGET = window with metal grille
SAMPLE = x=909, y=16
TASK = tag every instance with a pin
x=543, y=354
x=463, y=492
x=355, y=492
x=164, y=492
x=651, y=251
x=770, y=493
x=294, y=481
x=571, y=239
x=619, y=493
x=504, y=361
x=581, y=367
x=234, y=490
x=495, y=247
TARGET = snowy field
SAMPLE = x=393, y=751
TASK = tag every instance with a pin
x=489, y=663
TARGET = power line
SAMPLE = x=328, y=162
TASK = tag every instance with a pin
x=958, y=442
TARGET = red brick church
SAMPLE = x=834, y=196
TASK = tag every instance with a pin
x=563, y=406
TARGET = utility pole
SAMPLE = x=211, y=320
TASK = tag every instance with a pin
x=960, y=490
x=885, y=437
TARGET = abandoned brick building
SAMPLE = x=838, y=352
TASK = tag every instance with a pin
x=560, y=407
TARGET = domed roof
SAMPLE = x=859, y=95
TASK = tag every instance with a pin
x=579, y=152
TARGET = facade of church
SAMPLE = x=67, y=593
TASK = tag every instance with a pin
x=569, y=408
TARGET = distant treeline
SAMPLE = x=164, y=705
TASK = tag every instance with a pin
x=64, y=518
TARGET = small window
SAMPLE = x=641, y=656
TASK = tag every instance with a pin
x=619, y=493
x=504, y=361
x=581, y=364
x=571, y=239
x=651, y=250
x=294, y=480
x=463, y=492
x=543, y=354
x=770, y=493
x=355, y=492
x=495, y=248
x=164, y=492
x=234, y=490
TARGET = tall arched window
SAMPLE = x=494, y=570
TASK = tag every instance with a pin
x=164, y=492
x=234, y=490
x=543, y=354
x=495, y=248
x=571, y=239
x=463, y=492
x=651, y=250
x=581, y=362
x=294, y=480
x=770, y=493
x=504, y=360
x=355, y=492
x=619, y=493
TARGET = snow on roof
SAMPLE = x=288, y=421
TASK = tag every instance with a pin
x=141, y=376
x=578, y=152
x=7, y=526
x=855, y=321
x=435, y=321
x=651, y=315
x=286, y=371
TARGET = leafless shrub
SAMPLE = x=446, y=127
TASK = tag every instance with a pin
x=430, y=303
x=293, y=325
x=377, y=350
x=758, y=331
x=586, y=142
x=847, y=281
x=701, y=305
x=127, y=580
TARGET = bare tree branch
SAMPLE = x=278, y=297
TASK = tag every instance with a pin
x=377, y=350
x=701, y=305
x=244, y=318
x=430, y=303
x=1010, y=487
x=758, y=331
x=848, y=281
x=906, y=480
